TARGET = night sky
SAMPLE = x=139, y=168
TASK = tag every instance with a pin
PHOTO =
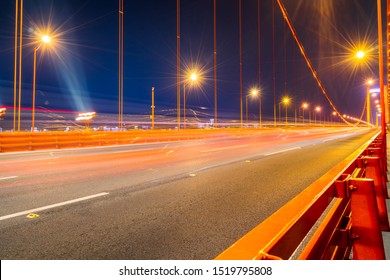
x=79, y=71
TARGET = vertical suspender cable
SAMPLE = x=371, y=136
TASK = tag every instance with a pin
x=15, y=57
x=20, y=60
x=258, y=62
x=273, y=58
x=381, y=70
x=178, y=60
x=120, y=63
x=240, y=31
x=215, y=64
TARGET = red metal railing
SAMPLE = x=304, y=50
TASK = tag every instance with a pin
x=340, y=216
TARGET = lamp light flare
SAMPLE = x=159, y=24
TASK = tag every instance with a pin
x=360, y=54
x=46, y=39
x=254, y=92
x=194, y=77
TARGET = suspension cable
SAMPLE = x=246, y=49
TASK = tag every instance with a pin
x=308, y=62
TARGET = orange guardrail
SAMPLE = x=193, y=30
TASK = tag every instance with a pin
x=340, y=216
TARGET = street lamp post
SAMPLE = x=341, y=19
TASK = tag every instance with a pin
x=377, y=118
x=152, y=116
x=304, y=106
x=331, y=118
x=253, y=92
x=193, y=78
x=286, y=101
x=260, y=110
x=317, y=109
x=44, y=40
x=246, y=106
x=184, y=104
x=368, y=100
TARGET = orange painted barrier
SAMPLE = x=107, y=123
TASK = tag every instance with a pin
x=340, y=216
x=29, y=141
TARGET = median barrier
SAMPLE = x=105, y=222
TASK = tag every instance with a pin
x=32, y=141
x=340, y=216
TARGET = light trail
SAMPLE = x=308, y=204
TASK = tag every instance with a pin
x=283, y=151
x=8, y=178
x=26, y=212
x=225, y=148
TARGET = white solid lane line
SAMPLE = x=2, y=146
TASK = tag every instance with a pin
x=7, y=178
x=282, y=151
x=52, y=206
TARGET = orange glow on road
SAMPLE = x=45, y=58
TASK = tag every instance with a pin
x=144, y=162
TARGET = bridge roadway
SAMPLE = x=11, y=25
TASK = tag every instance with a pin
x=173, y=200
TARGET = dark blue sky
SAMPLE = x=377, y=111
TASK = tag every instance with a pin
x=79, y=72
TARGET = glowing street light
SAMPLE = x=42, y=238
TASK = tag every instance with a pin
x=360, y=54
x=194, y=77
x=369, y=83
x=253, y=92
x=45, y=39
x=260, y=107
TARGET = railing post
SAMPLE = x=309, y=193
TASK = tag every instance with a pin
x=373, y=171
x=377, y=152
x=366, y=232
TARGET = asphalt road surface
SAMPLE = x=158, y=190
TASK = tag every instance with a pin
x=173, y=200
